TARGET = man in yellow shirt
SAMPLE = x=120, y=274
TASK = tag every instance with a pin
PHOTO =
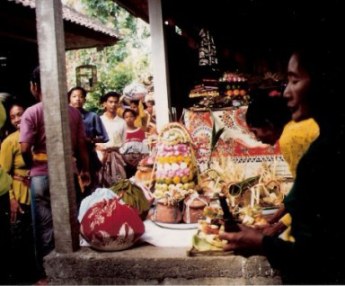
x=269, y=118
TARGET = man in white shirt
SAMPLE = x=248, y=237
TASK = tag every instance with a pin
x=115, y=126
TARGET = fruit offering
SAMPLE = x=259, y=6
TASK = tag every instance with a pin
x=175, y=165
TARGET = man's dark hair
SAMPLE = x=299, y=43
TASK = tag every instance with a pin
x=265, y=111
x=128, y=110
x=135, y=101
x=35, y=76
x=105, y=97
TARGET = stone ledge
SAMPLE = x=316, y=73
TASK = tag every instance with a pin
x=147, y=264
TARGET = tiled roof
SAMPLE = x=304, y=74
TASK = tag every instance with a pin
x=73, y=16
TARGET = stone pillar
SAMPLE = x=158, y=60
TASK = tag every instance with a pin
x=51, y=44
x=159, y=62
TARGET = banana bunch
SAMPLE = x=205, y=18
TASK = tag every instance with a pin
x=131, y=194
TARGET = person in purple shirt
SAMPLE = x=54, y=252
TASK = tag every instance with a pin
x=94, y=129
x=33, y=146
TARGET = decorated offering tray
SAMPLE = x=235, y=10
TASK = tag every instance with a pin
x=195, y=252
x=176, y=177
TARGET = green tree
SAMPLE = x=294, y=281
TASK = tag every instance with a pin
x=119, y=65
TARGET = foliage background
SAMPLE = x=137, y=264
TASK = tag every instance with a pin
x=117, y=66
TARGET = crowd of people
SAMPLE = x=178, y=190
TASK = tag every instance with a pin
x=105, y=149
x=108, y=147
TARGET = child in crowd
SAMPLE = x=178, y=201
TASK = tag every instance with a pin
x=142, y=118
x=151, y=114
x=134, y=147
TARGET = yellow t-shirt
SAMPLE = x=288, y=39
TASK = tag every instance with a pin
x=286, y=235
x=12, y=162
x=5, y=179
x=295, y=141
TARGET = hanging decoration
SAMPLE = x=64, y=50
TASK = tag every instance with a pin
x=207, y=50
x=86, y=76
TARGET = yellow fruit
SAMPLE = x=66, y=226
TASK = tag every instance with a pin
x=187, y=159
x=243, y=92
x=179, y=158
x=228, y=92
x=172, y=160
x=185, y=179
x=176, y=180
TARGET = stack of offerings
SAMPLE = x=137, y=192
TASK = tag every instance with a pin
x=234, y=87
x=175, y=173
x=207, y=93
x=207, y=88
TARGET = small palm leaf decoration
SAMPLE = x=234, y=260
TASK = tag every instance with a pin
x=215, y=136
